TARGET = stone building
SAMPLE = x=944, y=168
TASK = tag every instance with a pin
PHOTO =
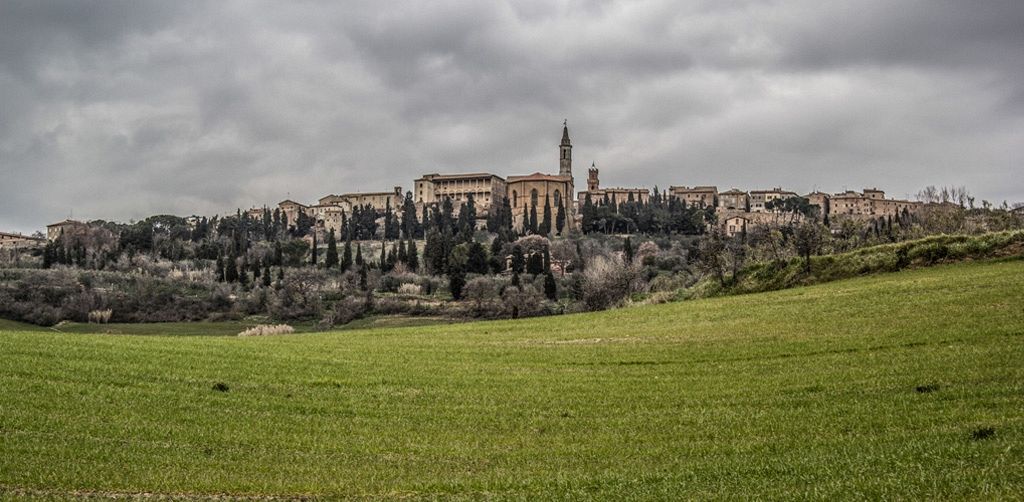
x=378, y=200
x=871, y=203
x=617, y=194
x=291, y=210
x=820, y=199
x=758, y=198
x=327, y=218
x=703, y=196
x=531, y=189
x=66, y=227
x=734, y=199
x=486, y=189
x=18, y=241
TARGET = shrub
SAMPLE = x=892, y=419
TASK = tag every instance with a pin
x=607, y=282
x=266, y=329
x=410, y=289
x=100, y=316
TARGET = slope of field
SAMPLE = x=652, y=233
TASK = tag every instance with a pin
x=901, y=385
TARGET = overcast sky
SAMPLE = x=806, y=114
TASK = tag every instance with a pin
x=119, y=110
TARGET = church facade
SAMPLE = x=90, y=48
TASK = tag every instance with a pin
x=535, y=190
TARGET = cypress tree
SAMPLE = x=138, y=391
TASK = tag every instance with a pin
x=393, y=257
x=312, y=258
x=266, y=275
x=362, y=277
x=402, y=257
x=518, y=260
x=331, y=260
x=220, y=267
x=535, y=264
x=545, y=223
x=359, y=255
x=278, y=254
x=550, y=287
x=346, y=255
x=560, y=219
x=231, y=268
x=532, y=223
x=547, y=260
x=412, y=256
x=627, y=250
x=515, y=279
x=476, y=260
x=456, y=280
x=383, y=256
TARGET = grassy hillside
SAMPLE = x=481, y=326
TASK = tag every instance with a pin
x=908, y=384
x=925, y=252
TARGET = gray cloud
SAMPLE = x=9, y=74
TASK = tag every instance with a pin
x=119, y=110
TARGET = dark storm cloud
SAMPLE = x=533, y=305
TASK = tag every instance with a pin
x=119, y=110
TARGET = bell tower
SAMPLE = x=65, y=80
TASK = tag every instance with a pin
x=565, y=152
x=592, y=182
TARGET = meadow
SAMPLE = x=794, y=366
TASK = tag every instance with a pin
x=902, y=385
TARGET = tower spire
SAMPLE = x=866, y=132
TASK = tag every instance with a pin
x=565, y=152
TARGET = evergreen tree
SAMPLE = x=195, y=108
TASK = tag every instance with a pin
x=456, y=280
x=560, y=219
x=359, y=255
x=547, y=259
x=507, y=217
x=312, y=258
x=331, y=260
x=409, y=222
x=220, y=268
x=446, y=223
x=627, y=250
x=518, y=260
x=278, y=254
x=535, y=264
x=545, y=223
x=425, y=226
x=346, y=255
x=476, y=261
x=393, y=257
x=532, y=223
x=256, y=270
x=402, y=257
x=412, y=256
x=550, y=287
x=516, y=282
x=383, y=257
x=497, y=260
x=362, y=277
x=388, y=225
x=266, y=275
x=231, y=268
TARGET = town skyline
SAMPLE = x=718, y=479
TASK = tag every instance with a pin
x=121, y=111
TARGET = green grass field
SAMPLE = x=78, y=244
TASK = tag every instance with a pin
x=906, y=385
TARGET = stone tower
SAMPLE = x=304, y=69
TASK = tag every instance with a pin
x=592, y=181
x=565, y=153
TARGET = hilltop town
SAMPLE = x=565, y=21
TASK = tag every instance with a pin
x=529, y=199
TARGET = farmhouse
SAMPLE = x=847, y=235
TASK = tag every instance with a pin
x=18, y=241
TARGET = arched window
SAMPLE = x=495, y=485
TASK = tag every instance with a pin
x=515, y=198
x=533, y=197
x=558, y=198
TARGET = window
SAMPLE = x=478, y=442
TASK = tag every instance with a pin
x=515, y=198
x=533, y=197
x=558, y=198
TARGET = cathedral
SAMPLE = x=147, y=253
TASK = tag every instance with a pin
x=538, y=189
